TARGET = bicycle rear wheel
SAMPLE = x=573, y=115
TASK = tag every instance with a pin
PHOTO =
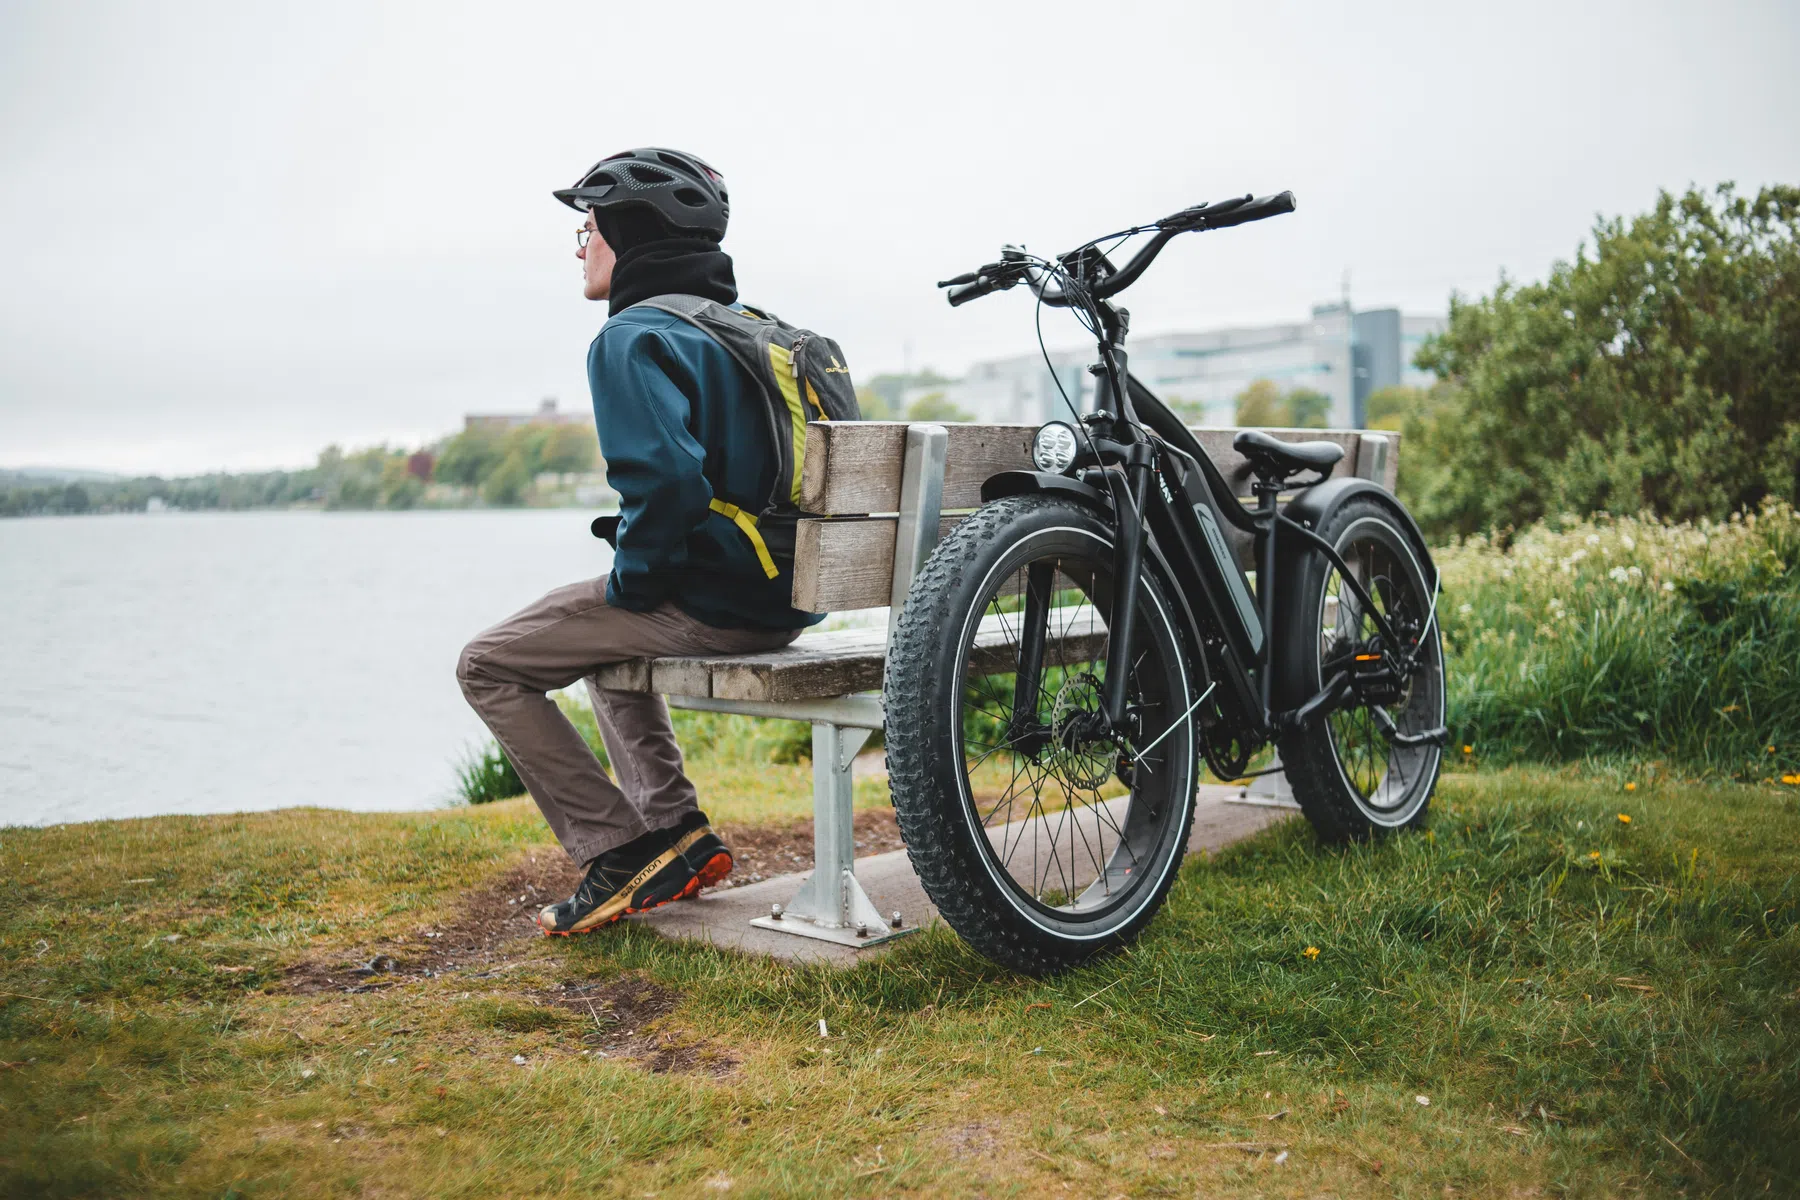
x=1352, y=770
x=1041, y=839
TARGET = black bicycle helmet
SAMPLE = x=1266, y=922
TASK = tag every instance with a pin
x=679, y=190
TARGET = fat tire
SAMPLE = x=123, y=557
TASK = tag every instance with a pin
x=1308, y=757
x=920, y=686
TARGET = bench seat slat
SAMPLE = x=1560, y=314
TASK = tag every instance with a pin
x=836, y=663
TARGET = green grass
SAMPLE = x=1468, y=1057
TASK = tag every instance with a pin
x=1593, y=1008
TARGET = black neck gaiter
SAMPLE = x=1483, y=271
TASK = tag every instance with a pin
x=681, y=266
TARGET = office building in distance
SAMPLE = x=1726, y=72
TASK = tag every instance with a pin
x=1343, y=354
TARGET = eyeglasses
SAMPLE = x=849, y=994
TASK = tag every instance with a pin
x=583, y=234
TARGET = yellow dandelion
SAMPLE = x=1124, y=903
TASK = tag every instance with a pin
x=1791, y=779
x=1768, y=749
x=1631, y=787
x=1594, y=854
x=1311, y=952
x=1468, y=749
x=1624, y=818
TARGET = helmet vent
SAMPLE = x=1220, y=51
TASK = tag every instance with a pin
x=645, y=174
x=690, y=197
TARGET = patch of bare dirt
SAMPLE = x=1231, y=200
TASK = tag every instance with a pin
x=626, y=1015
x=978, y=1139
x=484, y=934
x=761, y=852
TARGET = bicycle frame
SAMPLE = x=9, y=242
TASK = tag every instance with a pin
x=1133, y=441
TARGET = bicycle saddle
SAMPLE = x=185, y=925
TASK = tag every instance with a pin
x=1270, y=456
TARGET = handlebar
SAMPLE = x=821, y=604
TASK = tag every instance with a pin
x=1012, y=269
x=979, y=286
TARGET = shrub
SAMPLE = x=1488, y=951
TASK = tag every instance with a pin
x=1659, y=373
x=1607, y=636
x=487, y=775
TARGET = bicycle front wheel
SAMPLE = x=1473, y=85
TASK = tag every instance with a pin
x=1041, y=838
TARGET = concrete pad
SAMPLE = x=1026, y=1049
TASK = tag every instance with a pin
x=723, y=917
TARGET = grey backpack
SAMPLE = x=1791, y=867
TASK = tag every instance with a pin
x=802, y=377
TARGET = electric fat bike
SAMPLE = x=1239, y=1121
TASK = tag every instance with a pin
x=1073, y=651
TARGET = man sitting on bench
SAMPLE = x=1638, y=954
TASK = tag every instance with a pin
x=680, y=423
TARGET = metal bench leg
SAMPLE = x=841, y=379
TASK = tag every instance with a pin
x=1270, y=791
x=831, y=904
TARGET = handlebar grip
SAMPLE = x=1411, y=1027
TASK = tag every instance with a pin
x=1254, y=210
x=969, y=291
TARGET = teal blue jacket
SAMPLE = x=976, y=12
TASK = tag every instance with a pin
x=681, y=424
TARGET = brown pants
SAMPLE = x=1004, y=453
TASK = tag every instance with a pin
x=507, y=671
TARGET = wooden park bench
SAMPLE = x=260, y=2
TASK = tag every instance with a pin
x=891, y=490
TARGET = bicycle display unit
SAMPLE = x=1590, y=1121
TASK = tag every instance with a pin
x=1071, y=654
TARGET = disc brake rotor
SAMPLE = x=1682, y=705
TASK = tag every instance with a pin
x=1081, y=752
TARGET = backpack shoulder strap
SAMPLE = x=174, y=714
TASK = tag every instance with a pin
x=735, y=331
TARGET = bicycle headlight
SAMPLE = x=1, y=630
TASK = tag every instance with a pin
x=1053, y=447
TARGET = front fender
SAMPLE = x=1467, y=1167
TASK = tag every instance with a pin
x=1018, y=483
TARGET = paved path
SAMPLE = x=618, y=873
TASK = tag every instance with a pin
x=723, y=918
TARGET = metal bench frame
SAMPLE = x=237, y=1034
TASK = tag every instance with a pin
x=831, y=905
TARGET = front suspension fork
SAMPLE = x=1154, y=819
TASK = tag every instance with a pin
x=1027, y=683
x=1128, y=560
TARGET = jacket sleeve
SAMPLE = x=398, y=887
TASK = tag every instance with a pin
x=642, y=402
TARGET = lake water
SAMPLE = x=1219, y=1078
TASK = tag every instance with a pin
x=201, y=662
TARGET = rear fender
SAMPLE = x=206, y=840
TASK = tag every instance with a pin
x=1315, y=505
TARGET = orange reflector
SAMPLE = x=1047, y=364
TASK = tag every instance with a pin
x=1368, y=658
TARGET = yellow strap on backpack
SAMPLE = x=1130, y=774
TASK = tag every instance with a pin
x=747, y=523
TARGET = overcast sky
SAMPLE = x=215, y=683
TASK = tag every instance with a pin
x=235, y=232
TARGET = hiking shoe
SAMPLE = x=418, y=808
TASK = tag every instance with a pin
x=644, y=873
x=708, y=857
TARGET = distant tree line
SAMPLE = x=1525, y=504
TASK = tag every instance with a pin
x=500, y=466
x=1264, y=405
x=883, y=398
x=495, y=467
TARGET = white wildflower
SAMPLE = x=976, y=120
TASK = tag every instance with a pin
x=1668, y=585
x=1465, y=609
x=1618, y=575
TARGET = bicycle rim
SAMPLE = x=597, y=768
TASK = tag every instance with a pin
x=1387, y=781
x=1075, y=828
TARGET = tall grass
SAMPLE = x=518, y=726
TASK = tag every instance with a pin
x=1610, y=637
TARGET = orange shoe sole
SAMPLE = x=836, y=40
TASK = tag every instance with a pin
x=716, y=868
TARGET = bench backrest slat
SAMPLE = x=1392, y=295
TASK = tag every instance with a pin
x=854, y=469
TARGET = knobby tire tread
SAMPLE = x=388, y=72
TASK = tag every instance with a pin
x=920, y=666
